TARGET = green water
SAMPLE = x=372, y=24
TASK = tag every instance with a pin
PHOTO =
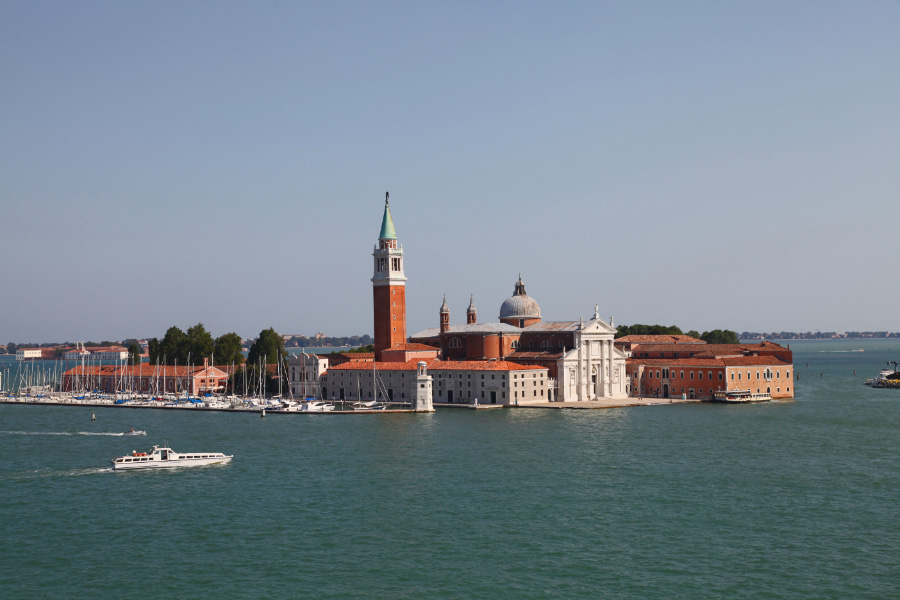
x=776, y=500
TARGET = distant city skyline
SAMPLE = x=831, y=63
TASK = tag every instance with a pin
x=699, y=164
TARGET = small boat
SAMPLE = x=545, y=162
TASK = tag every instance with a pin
x=162, y=457
x=134, y=431
x=739, y=396
x=370, y=405
x=316, y=406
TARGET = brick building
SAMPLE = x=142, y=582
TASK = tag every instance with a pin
x=697, y=370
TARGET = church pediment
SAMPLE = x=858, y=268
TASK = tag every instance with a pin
x=598, y=326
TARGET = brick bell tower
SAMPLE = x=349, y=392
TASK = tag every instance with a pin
x=388, y=287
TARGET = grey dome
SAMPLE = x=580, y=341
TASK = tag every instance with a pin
x=520, y=305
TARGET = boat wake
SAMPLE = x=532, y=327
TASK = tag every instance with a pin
x=41, y=474
x=120, y=434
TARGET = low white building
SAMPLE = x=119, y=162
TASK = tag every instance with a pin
x=452, y=382
x=97, y=353
x=304, y=371
x=29, y=353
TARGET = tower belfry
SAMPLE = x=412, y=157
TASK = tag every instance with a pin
x=388, y=286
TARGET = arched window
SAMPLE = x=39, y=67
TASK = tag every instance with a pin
x=545, y=344
x=515, y=344
x=455, y=343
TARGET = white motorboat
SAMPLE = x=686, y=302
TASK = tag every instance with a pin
x=370, y=405
x=134, y=431
x=316, y=406
x=162, y=457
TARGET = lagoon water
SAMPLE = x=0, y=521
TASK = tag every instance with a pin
x=793, y=499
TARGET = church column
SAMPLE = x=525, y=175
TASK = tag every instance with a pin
x=589, y=367
x=609, y=360
x=601, y=373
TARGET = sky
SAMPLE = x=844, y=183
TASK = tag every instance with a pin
x=730, y=165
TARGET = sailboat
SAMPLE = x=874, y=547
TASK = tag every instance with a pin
x=378, y=386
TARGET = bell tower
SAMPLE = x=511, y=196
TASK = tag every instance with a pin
x=445, y=316
x=471, y=313
x=388, y=287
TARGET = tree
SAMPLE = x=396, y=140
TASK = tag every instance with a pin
x=11, y=348
x=641, y=329
x=134, y=354
x=153, y=350
x=693, y=333
x=720, y=336
x=172, y=348
x=227, y=349
x=198, y=344
x=268, y=346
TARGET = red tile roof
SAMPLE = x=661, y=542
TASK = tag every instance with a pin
x=437, y=365
x=143, y=370
x=735, y=361
x=413, y=347
x=658, y=339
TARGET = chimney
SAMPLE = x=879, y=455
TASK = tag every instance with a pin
x=205, y=363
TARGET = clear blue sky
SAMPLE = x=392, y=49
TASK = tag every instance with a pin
x=705, y=164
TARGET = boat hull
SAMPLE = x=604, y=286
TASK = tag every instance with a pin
x=169, y=464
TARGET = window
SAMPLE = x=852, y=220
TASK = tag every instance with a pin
x=692, y=375
x=455, y=343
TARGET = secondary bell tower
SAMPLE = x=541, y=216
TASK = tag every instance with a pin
x=388, y=287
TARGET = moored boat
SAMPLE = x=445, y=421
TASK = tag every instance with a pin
x=162, y=457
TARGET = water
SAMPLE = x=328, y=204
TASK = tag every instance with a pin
x=775, y=500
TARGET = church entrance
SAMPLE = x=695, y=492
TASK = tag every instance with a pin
x=666, y=390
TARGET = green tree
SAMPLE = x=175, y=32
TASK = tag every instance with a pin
x=11, y=348
x=153, y=352
x=268, y=346
x=173, y=347
x=693, y=333
x=227, y=349
x=198, y=344
x=641, y=329
x=134, y=354
x=720, y=336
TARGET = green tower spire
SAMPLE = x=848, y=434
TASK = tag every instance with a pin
x=387, y=223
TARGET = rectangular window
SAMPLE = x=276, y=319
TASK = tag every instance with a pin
x=692, y=375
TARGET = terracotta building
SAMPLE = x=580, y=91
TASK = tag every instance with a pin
x=692, y=370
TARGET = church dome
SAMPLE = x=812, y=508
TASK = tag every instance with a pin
x=520, y=305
